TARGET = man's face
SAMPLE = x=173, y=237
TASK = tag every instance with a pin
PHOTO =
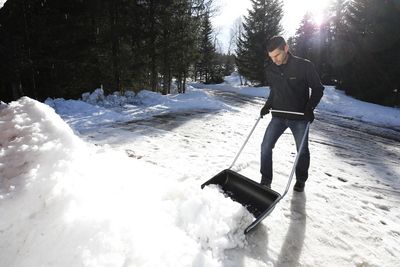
x=279, y=56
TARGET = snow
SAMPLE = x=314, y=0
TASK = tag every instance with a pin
x=334, y=101
x=98, y=109
x=115, y=181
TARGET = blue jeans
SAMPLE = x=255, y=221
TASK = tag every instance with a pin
x=274, y=130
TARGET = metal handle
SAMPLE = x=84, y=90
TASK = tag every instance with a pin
x=245, y=142
x=252, y=130
x=287, y=112
x=296, y=160
x=272, y=206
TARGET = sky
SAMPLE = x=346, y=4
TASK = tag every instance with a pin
x=115, y=181
x=293, y=10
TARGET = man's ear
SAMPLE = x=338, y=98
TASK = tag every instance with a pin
x=286, y=48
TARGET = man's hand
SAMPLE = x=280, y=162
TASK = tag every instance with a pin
x=265, y=110
x=309, y=113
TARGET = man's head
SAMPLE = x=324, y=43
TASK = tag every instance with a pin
x=278, y=50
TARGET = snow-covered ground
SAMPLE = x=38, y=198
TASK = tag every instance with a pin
x=115, y=181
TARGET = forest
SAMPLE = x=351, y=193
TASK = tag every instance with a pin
x=54, y=48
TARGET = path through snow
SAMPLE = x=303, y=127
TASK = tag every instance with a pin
x=348, y=215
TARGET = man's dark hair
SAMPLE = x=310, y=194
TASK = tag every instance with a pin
x=276, y=42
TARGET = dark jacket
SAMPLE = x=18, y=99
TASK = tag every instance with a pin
x=289, y=87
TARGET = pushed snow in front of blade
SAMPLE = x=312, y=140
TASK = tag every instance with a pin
x=214, y=219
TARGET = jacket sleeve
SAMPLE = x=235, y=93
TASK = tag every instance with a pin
x=314, y=82
x=271, y=93
x=270, y=98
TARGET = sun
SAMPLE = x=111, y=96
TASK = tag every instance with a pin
x=318, y=9
x=319, y=18
x=294, y=11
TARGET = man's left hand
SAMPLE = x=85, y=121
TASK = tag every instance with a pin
x=309, y=113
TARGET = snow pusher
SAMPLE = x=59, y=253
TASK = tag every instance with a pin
x=256, y=198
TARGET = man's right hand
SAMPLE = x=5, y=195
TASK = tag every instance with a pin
x=265, y=110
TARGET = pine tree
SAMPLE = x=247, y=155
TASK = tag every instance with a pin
x=372, y=27
x=207, y=50
x=64, y=48
x=262, y=23
x=306, y=39
x=188, y=25
x=18, y=73
x=330, y=42
x=312, y=42
x=208, y=67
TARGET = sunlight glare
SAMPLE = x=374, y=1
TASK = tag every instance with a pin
x=318, y=8
x=296, y=8
x=319, y=18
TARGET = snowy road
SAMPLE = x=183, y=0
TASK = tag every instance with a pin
x=349, y=213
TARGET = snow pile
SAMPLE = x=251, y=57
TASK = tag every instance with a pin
x=191, y=100
x=67, y=203
x=196, y=217
x=97, y=97
x=337, y=102
x=35, y=143
x=97, y=109
x=2, y=105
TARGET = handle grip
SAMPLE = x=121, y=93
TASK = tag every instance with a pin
x=287, y=112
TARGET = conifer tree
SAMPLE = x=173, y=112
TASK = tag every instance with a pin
x=306, y=39
x=187, y=32
x=207, y=50
x=312, y=42
x=262, y=22
x=64, y=48
x=371, y=34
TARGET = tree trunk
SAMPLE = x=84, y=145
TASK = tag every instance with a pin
x=115, y=47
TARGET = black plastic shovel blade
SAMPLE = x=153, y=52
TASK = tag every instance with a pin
x=257, y=199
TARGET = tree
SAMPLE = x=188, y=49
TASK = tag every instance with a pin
x=306, y=39
x=371, y=31
x=210, y=71
x=312, y=42
x=64, y=48
x=207, y=49
x=49, y=41
x=262, y=23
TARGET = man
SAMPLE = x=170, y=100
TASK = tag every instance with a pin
x=290, y=79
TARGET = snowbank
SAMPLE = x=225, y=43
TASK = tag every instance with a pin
x=334, y=101
x=95, y=108
x=35, y=143
x=67, y=203
x=337, y=102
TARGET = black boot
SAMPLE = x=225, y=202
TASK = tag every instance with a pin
x=299, y=186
